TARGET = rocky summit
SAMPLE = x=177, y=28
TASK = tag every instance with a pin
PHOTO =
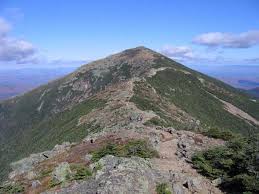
x=128, y=123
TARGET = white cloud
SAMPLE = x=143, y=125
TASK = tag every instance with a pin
x=228, y=40
x=4, y=27
x=178, y=52
x=14, y=49
x=188, y=55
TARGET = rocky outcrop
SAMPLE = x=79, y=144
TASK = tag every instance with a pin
x=134, y=175
x=26, y=165
x=189, y=143
x=61, y=172
x=118, y=175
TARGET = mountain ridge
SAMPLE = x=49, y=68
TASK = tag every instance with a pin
x=130, y=92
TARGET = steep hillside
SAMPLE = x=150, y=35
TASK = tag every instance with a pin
x=254, y=92
x=131, y=93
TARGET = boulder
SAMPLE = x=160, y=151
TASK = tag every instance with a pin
x=35, y=184
x=118, y=175
x=217, y=182
x=26, y=165
x=88, y=157
x=61, y=172
x=178, y=189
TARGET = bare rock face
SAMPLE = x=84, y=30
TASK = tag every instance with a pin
x=118, y=175
x=189, y=143
x=61, y=172
x=123, y=175
x=26, y=165
x=134, y=175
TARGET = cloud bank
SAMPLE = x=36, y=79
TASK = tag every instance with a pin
x=13, y=49
x=188, y=55
x=228, y=40
x=178, y=51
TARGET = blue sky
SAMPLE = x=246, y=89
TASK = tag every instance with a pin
x=58, y=32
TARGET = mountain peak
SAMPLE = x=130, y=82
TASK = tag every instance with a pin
x=139, y=53
x=135, y=61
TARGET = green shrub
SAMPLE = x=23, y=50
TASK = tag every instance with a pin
x=236, y=163
x=157, y=122
x=138, y=148
x=44, y=173
x=53, y=183
x=80, y=172
x=219, y=134
x=109, y=149
x=11, y=188
x=98, y=166
x=163, y=188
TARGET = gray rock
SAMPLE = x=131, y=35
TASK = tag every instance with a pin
x=35, y=184
x=178, y=189
x=170, y=130
x=26, y=165
x=88, y=157
x=217, y=182
x=194, y=184
x=118, y=175
x=61, y=172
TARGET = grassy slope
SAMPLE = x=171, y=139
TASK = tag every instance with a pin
x=25, y=130
x=187, y=92
x=49, y=132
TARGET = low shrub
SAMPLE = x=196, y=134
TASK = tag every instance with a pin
x=80, y=172
x=98, y=166
x=45, y=173
x=236, y=163
x=219, y=134
x=163, y=188
x=11, y=188
x=138, y=148
x=53, y=183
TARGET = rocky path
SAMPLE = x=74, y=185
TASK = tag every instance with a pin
x=185, y=179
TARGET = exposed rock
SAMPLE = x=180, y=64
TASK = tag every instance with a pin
x=118, y=175
x=26, y=165
x=31, y=175
x=35, y=184
x=61, y=172
x=178, y=188
x=88, y=157
x=190, y=142
x=217, y=181
x=194, y=185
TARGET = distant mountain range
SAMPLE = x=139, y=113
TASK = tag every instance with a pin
x=17, y=81
x=240, y=76
x=248, y=83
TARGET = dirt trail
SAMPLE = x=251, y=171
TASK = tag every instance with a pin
x=169, y=161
